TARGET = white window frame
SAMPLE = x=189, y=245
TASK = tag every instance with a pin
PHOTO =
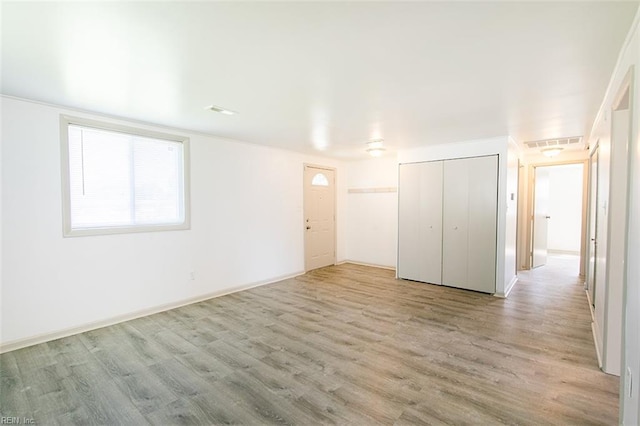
x=65, y=121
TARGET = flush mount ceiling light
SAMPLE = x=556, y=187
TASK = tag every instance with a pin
x=374, y=147
x=220, y=110
x=551, y=152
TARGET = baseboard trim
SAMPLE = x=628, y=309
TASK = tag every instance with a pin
x=594, y=330
x=595, y=343
x=47, y=337
x=372, y=265
x=593, y=317
x=510, y=287
x=569, y=252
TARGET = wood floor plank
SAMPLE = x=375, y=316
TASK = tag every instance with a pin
x=179, y=379
x=145, y=390
x=99, y=396
x=14, y=400
x=205, y=365
x=185, y=411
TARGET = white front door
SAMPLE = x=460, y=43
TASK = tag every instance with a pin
x=540, y=217
x=319, y=217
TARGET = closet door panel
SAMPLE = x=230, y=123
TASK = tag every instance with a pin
x=455, y=249
x=409, y=239
x=483, y=209
x=420, y=222
x=469, y=223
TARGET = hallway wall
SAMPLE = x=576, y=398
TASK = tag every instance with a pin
x=622, y=311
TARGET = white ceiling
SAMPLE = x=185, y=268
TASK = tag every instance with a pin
x=323, y=77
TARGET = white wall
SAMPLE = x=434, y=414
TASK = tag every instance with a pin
x=611, y=214
x=565, y=208
x=246, y=229
x=372, y=219
x=623, y=295
x=505, y=259
x=511, y=220
x=630, y=401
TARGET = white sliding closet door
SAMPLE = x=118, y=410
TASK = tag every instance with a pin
x=470, y=199
x=420, y=222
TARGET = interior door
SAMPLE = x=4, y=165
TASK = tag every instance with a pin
x=319, y=214
x=593, y=228
x=540, y=217
x=470, y=203
x=420, y=222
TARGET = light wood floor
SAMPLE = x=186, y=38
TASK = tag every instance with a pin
x=341, y=345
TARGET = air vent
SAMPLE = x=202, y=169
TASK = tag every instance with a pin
x=576, y=140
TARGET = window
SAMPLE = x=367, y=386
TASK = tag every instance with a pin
x=320, y=180
x=118, y=179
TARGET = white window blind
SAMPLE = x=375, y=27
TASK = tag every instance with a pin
x=123, y=182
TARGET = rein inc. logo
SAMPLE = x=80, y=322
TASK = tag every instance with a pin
x=14, y=420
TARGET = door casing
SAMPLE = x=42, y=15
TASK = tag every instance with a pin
x=529, y=212
x=592, y=253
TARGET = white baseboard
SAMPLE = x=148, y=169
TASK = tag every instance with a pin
x=373, y=265
x=46, y=337
x=570, y=252
x=594, y=330
x=510, y=286
x=593, y=318
x=595, y=341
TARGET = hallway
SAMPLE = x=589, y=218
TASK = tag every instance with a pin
x=563, y=324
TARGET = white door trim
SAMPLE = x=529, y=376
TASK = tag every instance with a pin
x=529, y=211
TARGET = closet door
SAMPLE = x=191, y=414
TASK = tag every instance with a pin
x=420, y=222
x=470, y=200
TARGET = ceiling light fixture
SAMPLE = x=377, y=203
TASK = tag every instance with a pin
x=374, y=147
x=220, y=110
x=551, y=152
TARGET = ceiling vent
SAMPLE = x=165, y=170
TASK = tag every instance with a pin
x=573, y=142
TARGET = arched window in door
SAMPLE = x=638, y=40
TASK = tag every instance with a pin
x=320, y=180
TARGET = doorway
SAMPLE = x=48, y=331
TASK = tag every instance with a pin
x=319, y=217
x=557, y=213
x=594, y=161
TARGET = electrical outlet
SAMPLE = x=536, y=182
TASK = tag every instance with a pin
x=192, y=275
